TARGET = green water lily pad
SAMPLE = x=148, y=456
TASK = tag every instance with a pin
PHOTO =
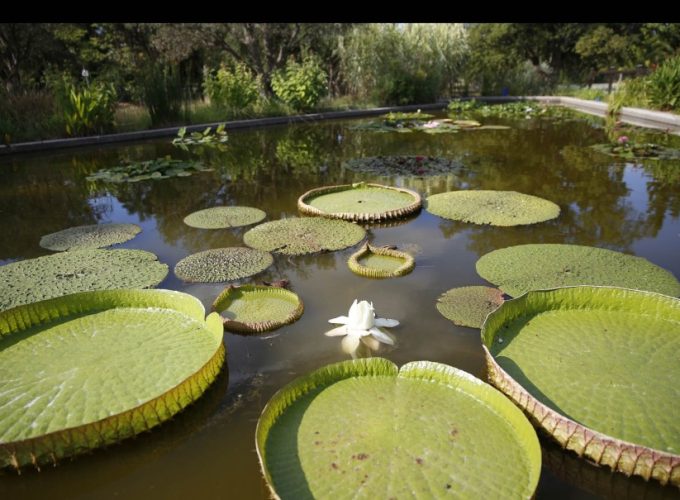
x=89, y=369
x=55, y=275
x=257, y=309
x=597, y=368
x=496, y=208
x=360, y=202
x=638, y=151
x=380, y=262
x=299, y=236
x=160, y=168
x=367, y=428
x=222, y=264
x=421, y=166
x=223, y=217
x=92, y=236
x=469, y=305
x=521, y=268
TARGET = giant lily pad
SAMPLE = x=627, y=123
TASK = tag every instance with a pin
x=89, y=369
x=257, y=309
x=92, y=236
x=597, y=368
x=366, y=428
x=51, y=276
x=360, y=202
x=223, y=217
x=421, y=166
x=521, y=268
x=469, y=305
x=223, y=264
x=298, y=236
x=380, y=262
x=497, y=208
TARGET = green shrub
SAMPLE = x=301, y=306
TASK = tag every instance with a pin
x=89, y=109
x=234, y=89
x=301, y=85
x=633, y=92
x=663, y=87
x=162, y=93
x=29, y=116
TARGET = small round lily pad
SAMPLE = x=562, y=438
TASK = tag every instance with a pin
x=91, y=236
x=89, y=369
x=224, y=217
x=521, y=268
x=257, y=308
x=497, y=208
x=360, y=202
x=299, y=236
x=223, y=264
x=421, y=166
x=426, y=430
x=469, y=305
x=597, y=368
x=380, y=262
x=63, y=273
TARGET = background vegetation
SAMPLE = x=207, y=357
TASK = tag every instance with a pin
x=83, y=78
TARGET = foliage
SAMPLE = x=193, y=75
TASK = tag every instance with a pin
x=630, y=150
x=236, y=88
x=663, y=85
x=301, y=85
x=162, y=93
x=161, y=168
x=89, y=109
x=205, y=138
x=29, y=115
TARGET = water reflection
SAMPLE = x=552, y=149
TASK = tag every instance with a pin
x=627, y=207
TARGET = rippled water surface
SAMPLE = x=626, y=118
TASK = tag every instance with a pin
x=208, y=451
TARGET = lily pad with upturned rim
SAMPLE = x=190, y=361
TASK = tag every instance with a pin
x=90, y=236
x=360, y=202
x=222, y=264
x=469, y=305
x=257, y=308
x=380, y=262
x=496, y=208
x=304, y=235
x=224, y=217
x=59, y=274
x=521, y=268
x=425, y=429
x=597, y=368
x=83, y=371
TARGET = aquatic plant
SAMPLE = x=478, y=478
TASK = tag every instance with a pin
x=222, y=264
x=160, y=168
x=469, y=305
x=90, y=236
x=206, y=138
x=418, y=165
x=380, y=262
x=224, y=217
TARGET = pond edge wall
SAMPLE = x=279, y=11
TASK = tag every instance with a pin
x=635, y=116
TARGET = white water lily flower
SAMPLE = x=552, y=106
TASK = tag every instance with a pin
x=361, y=325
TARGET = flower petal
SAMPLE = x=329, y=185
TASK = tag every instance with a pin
x=343, y=320
x=357, y=332
x=382, y=336
x=337, y=331
x=371, y=342
x=386, y=322
x=350, y=344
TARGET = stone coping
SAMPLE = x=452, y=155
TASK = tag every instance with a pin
x=635, y=116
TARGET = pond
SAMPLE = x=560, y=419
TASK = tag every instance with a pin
x=208, y=451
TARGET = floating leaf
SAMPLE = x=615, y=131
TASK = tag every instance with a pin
x=161, y=168
x=521, y=268
x=469, y=305
x=92, y=236
x=59, y=274
x=257, y=309
x=222, y=264
x=89, y=369
x=380, y=262
x=223, y=217
x=637, y=151
x=497, y=208
x=596, y=368
x=298, y=236
x=365, y=426
x=360, y=202
x=421, y=166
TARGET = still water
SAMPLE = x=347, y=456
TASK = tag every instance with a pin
x=208, y=451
